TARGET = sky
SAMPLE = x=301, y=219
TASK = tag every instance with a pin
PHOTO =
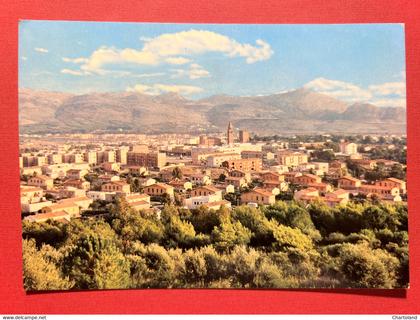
x=352, y=62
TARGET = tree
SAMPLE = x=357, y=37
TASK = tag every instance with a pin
x=222, y=177
x=49, y=232
x=160, y=272
x=287, y=238
x=323, y=155
x=39, y=271
x=179, y=233
x=195, y=271
x=229, y=235
x=242, y=265
x=177, y=173
x=366, y=268
x=97, y=263
x=131, y=225
x=254, y=220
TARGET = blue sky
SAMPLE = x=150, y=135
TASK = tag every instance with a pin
x=364, y=62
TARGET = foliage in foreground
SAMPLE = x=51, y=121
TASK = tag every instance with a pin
x=284, y=245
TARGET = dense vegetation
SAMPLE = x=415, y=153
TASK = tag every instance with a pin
x=282, y=245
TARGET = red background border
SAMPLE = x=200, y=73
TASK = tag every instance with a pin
x=13, y=299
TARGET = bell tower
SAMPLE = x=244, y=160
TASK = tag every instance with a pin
x=230, y=134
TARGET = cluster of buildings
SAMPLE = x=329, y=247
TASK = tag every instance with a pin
x=60, y=183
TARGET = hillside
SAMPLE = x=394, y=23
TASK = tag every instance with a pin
x=298, y=111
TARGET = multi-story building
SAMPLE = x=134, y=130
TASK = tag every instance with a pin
x=55, y=158
x=348, y=148
x=106, y=156
x=243, y=136
x=121, y=155
x=290, y=158
x=146, y=159
x=216, y=160
x=210, y=141
x=251, y=164
x=90, y=157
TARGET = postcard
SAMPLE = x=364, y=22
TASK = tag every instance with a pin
x=212, y=155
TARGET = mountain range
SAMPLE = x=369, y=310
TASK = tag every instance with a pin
x=299, y=111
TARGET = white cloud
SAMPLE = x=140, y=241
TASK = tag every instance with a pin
x=390, y=102
x=147, y=75
x=389, y=94
x=194, y=42
x=75, y=60
x=177, y=60
x=195, y=71
x=388, y=88
x=41, y=50
x=157, y=89
x=111, y=56
x=339, y=89
x=172, y=48
x=73, y=72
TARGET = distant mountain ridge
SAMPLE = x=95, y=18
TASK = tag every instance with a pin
x=298, y=111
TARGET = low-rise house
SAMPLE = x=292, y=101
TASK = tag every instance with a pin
x=41, y=181
x=307, y=179
x=70, y=208
x=337, y=197
x=31, y=207
x=240, y=174
x=42, y=217
x=138, y=201
x=203, y=195
x=28, y=171
x=159, y=189
x=105, y=178
x=307, y=195
x=291, y=176
x=145, y=182
x=217, y=205
x=384, y=193
x=205, y=190
x=279, y=168
x=137, y=170
x=101, y=195
x=82, y=202
x=30, y=194
x=237, y=182
x=349, y=183
x=272, y=179
x=111, y=166
x=321, y=186
x=116, y=186
x=230, y=188
x=75, y=174
x=180, y=186
x=56, y=170
x=71, y=192
x=77, y=183
x=393, y=182
x=199, y=178
x=259, y=196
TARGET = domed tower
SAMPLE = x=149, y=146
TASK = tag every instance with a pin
x=230, y=134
